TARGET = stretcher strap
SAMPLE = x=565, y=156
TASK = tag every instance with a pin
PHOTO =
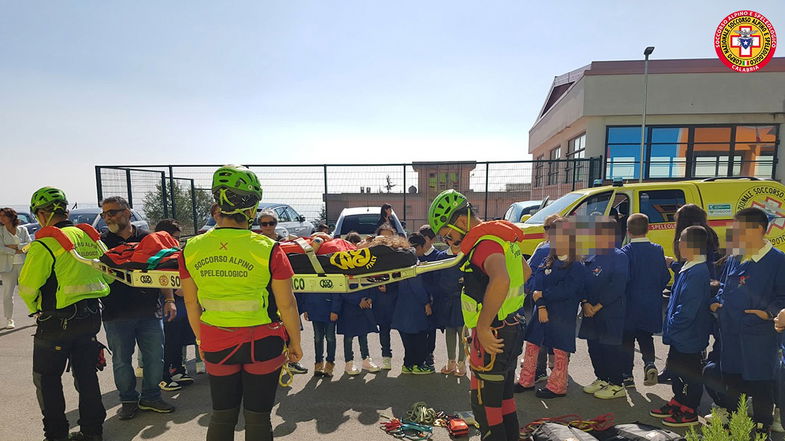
x=311, y=255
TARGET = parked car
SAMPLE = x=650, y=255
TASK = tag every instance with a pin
x=518, y=210
x=362, y=220
x=289, y=221
x=93, y=217
x=28, y=221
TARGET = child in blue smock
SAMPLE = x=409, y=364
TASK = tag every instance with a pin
x=354, y=314
x=603, y=310
x=428, y=253
x=557, y=287
x=316, y=308
x=686, y=330
x=447, y=309
x=648, y=277
x=752, y=293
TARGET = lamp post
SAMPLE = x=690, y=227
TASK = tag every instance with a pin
x=646, y=53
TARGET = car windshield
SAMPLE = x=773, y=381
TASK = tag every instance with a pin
x=82, y=218
x=554, y=208
x=24, y=218
x=361, y=223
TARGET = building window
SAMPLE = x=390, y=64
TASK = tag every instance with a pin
x=691, y=151
x=538, y=166
x=576, y=149
x=553, y=166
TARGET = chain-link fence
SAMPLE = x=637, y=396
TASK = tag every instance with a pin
x=321, y=192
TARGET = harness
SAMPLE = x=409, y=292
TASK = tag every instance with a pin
x=599, y=423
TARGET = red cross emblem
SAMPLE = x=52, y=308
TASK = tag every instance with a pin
x=223, y=246
x=744, y=41
x=773, y=209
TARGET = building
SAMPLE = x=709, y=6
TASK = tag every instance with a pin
x=433, y=178
x=703, y=120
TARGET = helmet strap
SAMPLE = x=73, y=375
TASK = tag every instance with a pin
x=468, y=224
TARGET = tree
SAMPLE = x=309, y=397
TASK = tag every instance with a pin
x=183, y=205
x=322, y=217
x=389, y=186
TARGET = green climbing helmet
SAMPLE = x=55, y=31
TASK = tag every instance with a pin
x=236, y=188
x=444, y=207
x=50, y=198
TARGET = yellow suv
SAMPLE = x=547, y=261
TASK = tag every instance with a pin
x=720, y=197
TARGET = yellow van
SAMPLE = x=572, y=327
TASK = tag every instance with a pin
x=720, y=197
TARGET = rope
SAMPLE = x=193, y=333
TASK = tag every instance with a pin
x=286, y=372
x=422, y=414
x=599, y=423
x=406, y=430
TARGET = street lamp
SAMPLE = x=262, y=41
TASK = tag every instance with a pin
x=646, y=53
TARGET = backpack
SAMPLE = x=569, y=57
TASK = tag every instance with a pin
x=157, y=250
x=560, y=432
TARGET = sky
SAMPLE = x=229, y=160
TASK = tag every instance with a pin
x=306, y=82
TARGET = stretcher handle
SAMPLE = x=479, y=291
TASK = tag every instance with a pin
x=426, y=267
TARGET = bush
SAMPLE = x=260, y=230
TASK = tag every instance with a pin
x=740, y=426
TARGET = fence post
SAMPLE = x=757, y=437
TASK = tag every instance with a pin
x=171, y=192
x=574, y=167
x=404, y=192
x=99, y=184
x=487, y=168
x=128, y=184
x=193, y=204
x=164, y=201
x=324, y=197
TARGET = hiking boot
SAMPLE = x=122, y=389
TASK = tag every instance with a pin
x=297, y=368
x=665, y=410
x=449, y=368
x=628, y=383
x=610, y=392
x=200, y=368
x=406, y=370
x=318, y=369
x=81, y=436
x=423, y=370
x=650, y=375
x=519, y=388
x=329, y=367
x=128, y=410
x=370, y=366
x=351, y=369
x=387, y=363
x=682, y=417
x=460, y=369
x=547, y=394
x=595, y=386
x=181, y=377
x=158, y=405
x=169, y=386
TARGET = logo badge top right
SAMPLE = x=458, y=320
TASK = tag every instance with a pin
x=745, y=41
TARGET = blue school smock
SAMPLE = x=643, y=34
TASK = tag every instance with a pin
x=608, y=274
x=562, y=289
x=353, y=320
x=535, y=261
x=447, y=306
x=688, y=318
x=648, y=276
x=317, y=305
x=384, y=306
x=749, y=344
x=409, y=315
x=436, y=291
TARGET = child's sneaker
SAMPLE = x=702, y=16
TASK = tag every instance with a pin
x=650, y=375
x=328, y=369
x=318, y=369
x=181, y=376
x=297, y=368
x=449, y=368
x=628, y=383
x=595, y=386
x=423, y=370
x=460, y=369
x=666, y=410
x=610, y=392
x=10, y=324
x=682, y=417
x=406, y=370
x=169, y=386
x=370, y=366
x=387, y=363
x=351, y=369
x=200, y=368
x=776, y=426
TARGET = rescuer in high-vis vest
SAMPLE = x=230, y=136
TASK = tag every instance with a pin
x=494, y=274
x=238, y=291
x=62, y=293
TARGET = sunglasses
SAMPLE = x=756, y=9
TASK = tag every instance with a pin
x=111, y=213
x=268, y=224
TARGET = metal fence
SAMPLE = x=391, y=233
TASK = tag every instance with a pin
x=320, y=192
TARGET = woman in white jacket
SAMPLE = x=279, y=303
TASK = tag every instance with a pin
x=13, y=238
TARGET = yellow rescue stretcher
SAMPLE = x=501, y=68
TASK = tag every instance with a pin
x=318, y=282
